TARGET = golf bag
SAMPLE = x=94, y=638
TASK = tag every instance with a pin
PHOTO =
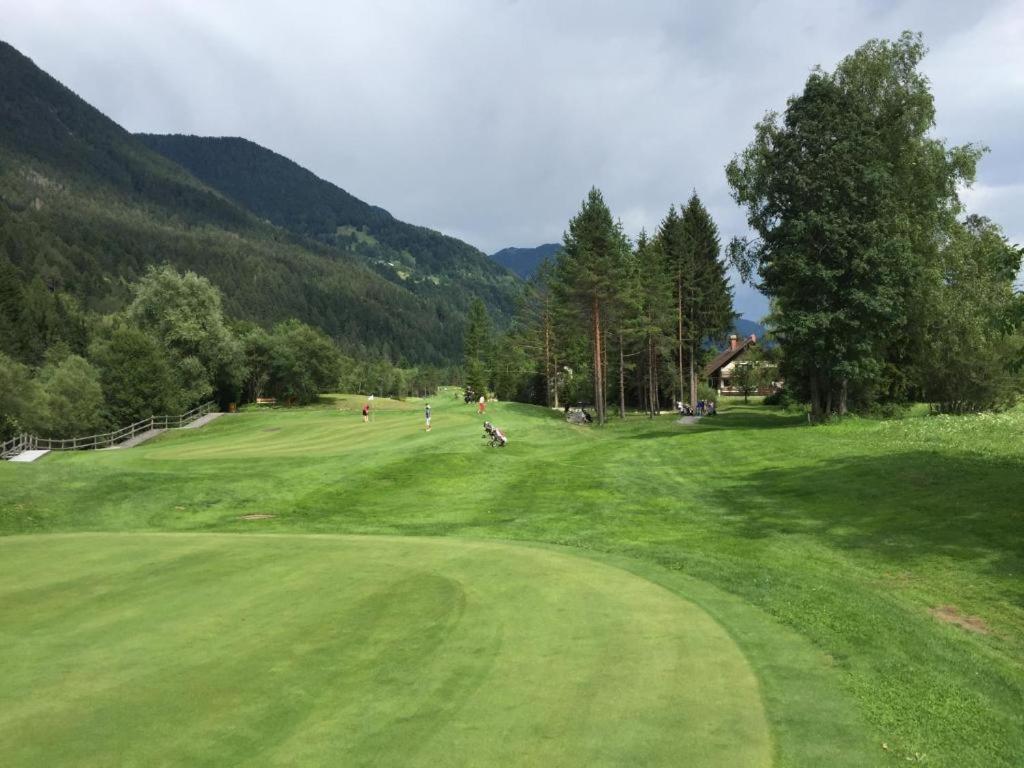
x=496, y=438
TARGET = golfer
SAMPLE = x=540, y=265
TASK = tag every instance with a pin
x=481, y=405
x=426, y=415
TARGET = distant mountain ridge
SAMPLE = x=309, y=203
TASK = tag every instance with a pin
x=744, y=328
x=283, y=192
x=525, y=261
x=86, y=207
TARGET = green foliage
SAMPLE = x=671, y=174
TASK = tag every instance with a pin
x=967, y=350
x=87, y=208
x=749, y=373
x=590, y=281
x=19, y=396
x=427, y=263
x=706, y=393
x=849, y=197
x=303, y=363
x=703, y=296
x=622, y=313
x=70, y=399
x=782, y=397
x=184, y=313
x=137, y=377
x=478, y=348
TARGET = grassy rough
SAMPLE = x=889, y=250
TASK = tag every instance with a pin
x=822, y=551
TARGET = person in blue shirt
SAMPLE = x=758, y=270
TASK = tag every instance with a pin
x=426, y=414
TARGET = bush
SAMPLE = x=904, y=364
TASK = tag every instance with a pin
x=705, y=393
x=136, y=375
x=782, y=397
x=70, y=402
x=18, y=396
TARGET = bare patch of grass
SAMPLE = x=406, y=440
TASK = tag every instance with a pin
x=950, y=614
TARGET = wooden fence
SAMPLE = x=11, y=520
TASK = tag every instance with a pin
x=27, y=442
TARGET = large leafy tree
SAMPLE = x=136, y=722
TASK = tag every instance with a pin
x=303, y=362
x=70, y=398
x=19, y=396
x=968, y=349
x=849, y=196
x=184, y=312
x=137, y=377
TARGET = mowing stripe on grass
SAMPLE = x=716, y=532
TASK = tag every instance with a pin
x=204, y=649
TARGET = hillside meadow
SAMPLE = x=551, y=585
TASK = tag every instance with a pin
x=863, y=579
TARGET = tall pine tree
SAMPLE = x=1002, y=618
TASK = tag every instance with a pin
x=588, y=280
x=707, y=304
x=476, y=346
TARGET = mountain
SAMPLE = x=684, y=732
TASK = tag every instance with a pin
x=86, y=207
x=525, y=261
x=745, y=328
x=279, y=190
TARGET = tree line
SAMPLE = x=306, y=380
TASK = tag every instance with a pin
x=883, y=290
x=172, y=348
x=611, y=318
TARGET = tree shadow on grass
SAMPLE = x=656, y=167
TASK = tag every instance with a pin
x=732, y=419
x=900, y=506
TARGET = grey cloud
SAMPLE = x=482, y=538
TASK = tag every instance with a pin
x=490, y=120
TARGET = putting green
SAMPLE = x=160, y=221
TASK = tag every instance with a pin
x=208, y=649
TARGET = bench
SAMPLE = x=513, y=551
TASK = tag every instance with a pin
x=266, y=401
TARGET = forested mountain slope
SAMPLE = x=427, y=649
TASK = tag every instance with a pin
x=86, y=207
x=525, y=261
x=283, y=192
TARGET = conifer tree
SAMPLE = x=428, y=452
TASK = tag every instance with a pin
x=675, y=257
x=707, y=306
x=655, y=315
x=476, y=347
x=588, y=279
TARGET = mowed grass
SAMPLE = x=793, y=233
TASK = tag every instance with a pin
x=213, y=650
x=823, y=552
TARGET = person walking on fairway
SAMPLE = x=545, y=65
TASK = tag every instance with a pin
x=426, y=415
x=366, y=412
x=481, y=405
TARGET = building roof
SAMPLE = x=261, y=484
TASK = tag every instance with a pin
x=726, y=356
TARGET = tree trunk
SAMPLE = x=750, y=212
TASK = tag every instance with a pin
x=843, y=390
x=650, y=377
x=598, y=364
x=547, y=362
x=679, y=333
x=604, y=376
x=693, y=378
x=622, y=379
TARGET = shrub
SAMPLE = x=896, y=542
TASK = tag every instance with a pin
x=783, y=397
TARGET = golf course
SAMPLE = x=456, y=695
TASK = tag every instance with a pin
x=294, y=586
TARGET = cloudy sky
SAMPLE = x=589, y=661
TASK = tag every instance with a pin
x=490, y=120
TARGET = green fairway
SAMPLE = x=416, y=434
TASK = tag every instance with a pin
x=859, y=586
x=217, y=650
